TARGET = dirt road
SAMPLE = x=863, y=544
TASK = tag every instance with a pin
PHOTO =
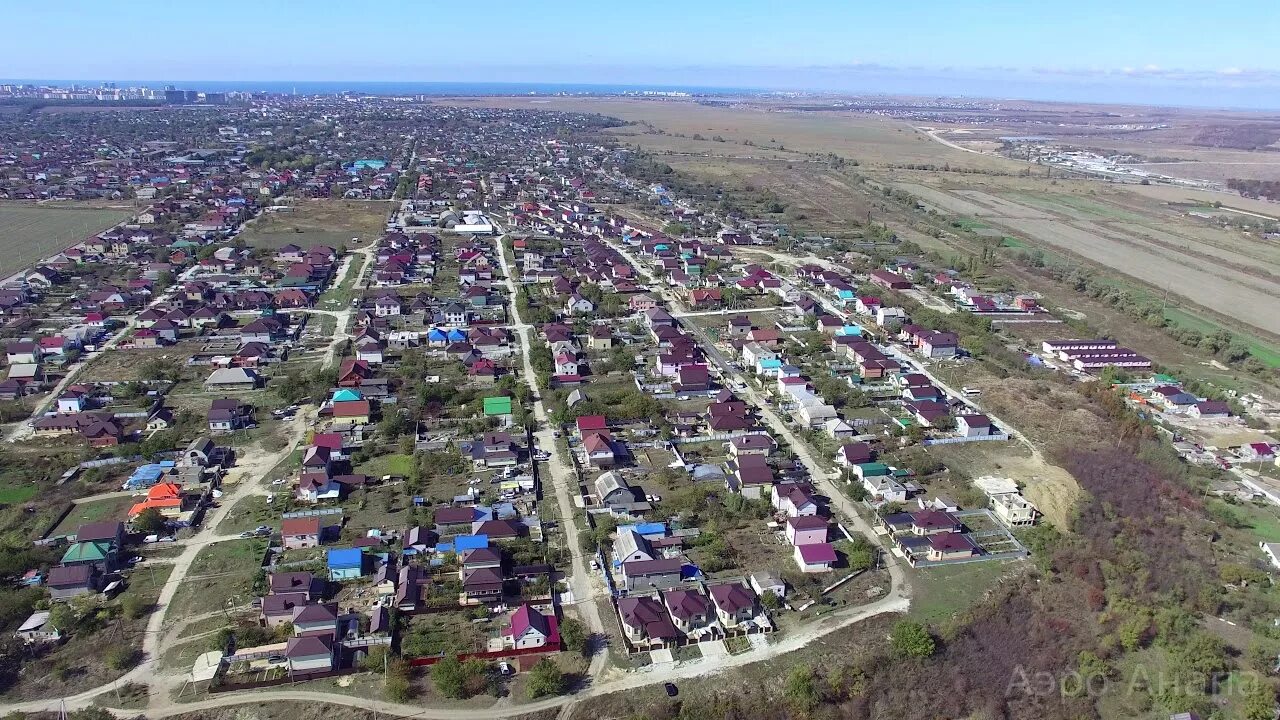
x=563, y=478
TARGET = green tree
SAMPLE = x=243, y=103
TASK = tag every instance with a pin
x=132, y=606
x=149, y=521
x=448, y=678
x=574, y=634
x=911, y=639
x=545, y=679
x=62, y=617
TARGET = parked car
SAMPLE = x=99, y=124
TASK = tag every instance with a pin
x=671, y=689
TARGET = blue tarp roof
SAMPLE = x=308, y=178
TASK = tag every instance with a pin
x=471, y=542
x=651, y=528
x=147, y=475
x=345, y=558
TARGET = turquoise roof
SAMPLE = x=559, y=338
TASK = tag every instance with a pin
x=346, y=394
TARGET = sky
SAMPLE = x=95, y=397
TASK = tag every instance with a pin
x=1172, y=51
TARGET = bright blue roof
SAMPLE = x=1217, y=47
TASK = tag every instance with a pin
x=346, y=394
x=849, y=330
x=456, y=335
x=770, y=363
x=146, y=475
x=345, y=558
x=653, y=528
x=436, y=334
x=470, y=542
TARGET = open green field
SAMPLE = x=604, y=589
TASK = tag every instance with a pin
x=1267, y=353
x=30, y=233
x=110, y=509
x=395, y=464
x=944, y=592
x=12, y=493
x=320, y=222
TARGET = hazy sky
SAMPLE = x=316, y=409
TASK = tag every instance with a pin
x=1106, y=48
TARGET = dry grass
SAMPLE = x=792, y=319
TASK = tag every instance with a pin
x=320, y=222
x=868, y=139
x=29, y=233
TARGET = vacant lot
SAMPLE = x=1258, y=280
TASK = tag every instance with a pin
x=110, y=509
x=319, y=222
x=30, y=233
x=222, y=574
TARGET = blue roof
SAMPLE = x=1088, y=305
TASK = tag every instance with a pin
x=146, y=475
x=346, y=394
x=456, y=335
x=849, y=330
x=652, y=528
x=436, y=334
x=471, y=542
x=770, y=363
x=444, y=547
x=345, y=558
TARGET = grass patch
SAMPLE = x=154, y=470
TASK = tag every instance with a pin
x=394, y=464
x=15, y=494
x=221, y=572
x=32, y=232
x=109, y=509
x=1266, y=354
x=942, y=593
x=1263, y=520
x=319, y=222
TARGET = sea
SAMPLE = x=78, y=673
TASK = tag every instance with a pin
x=312, y=87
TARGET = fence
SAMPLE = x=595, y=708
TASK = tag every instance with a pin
x=285, y=680
x=723, y=437
x=979, y=438
x=487, y=654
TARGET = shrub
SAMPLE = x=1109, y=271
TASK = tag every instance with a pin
x=911, y=639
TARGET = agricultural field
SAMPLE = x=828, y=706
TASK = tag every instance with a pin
x=319, y=222
x=30, y=233
x=772, y=131
x=1227, y=272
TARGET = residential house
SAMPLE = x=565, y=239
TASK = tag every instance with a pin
x=66, y=582
x=645, y=621
x=530, y=629
x=734, y=603
x=814, y=557
x=688, y=607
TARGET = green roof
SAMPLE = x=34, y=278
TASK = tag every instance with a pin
x=873, y=469
x=86, y=552
x=497, y=406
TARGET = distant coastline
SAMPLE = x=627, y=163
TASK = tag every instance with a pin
x=443, y=89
